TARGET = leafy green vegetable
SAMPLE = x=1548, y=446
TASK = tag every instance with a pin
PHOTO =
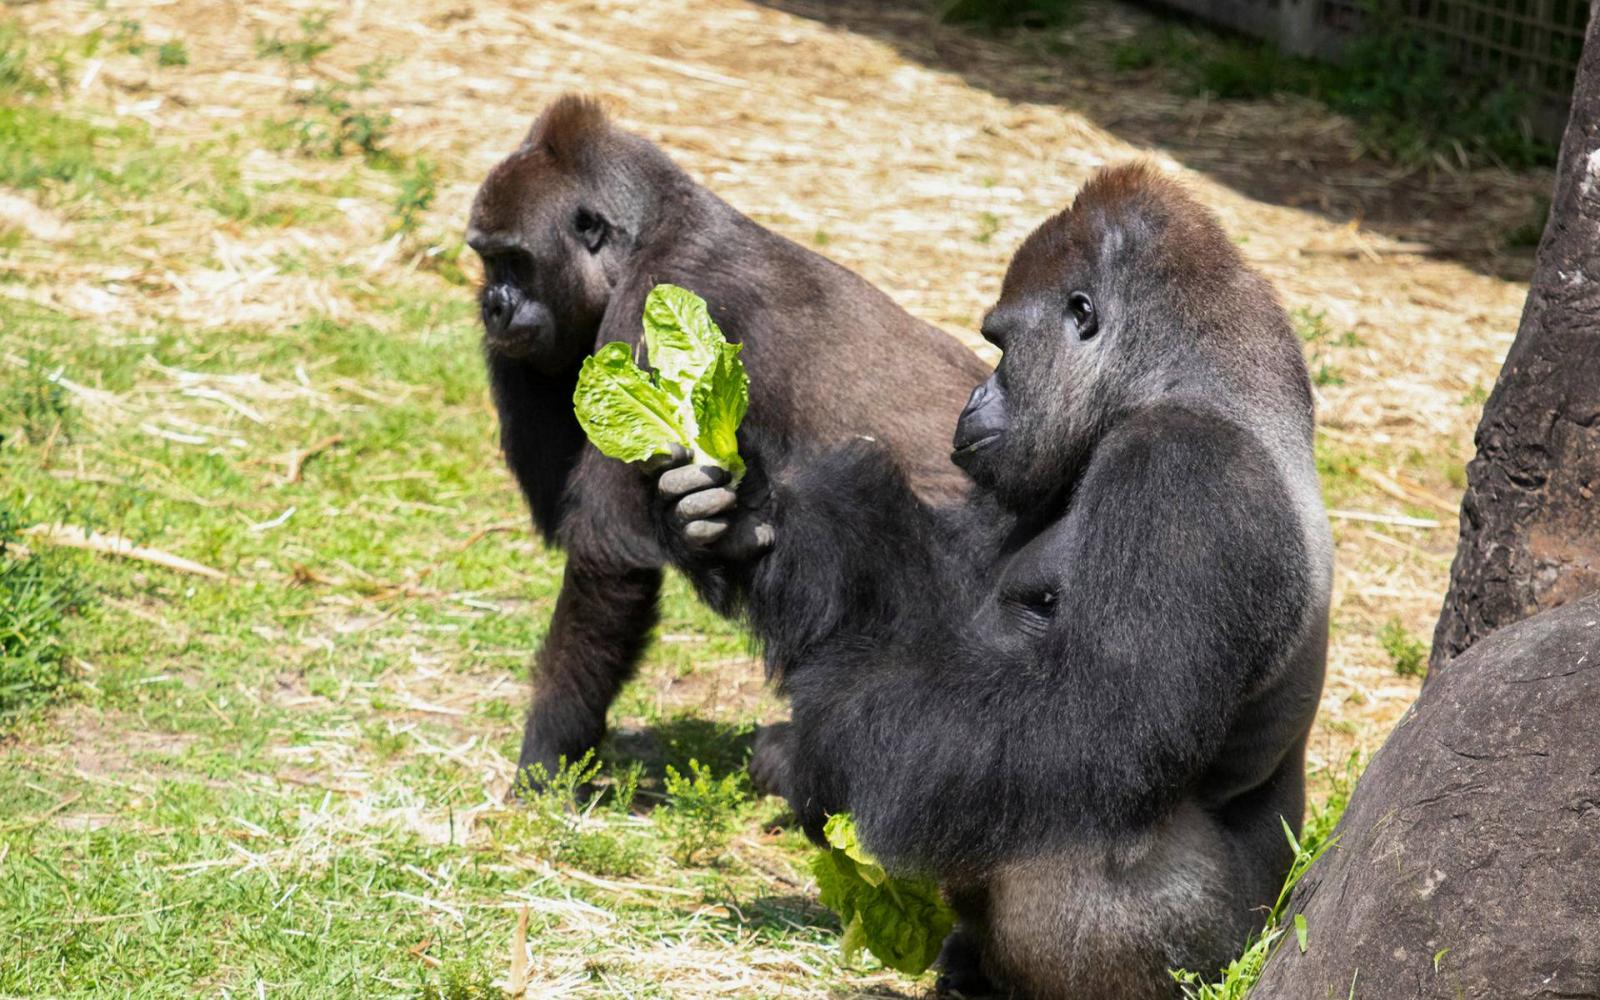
x=622, y=411
x=902, y=921
x=696, y=397
x=682, y=338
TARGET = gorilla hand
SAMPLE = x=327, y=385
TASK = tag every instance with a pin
x=704, y=511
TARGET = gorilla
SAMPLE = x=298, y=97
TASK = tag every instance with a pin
x=574, y=228
x=1079, y=698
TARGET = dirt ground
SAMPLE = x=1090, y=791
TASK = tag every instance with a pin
x=918, y=155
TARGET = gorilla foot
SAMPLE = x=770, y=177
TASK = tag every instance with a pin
x=770, y=760
x=961, y=970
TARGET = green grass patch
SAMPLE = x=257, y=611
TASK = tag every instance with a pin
x=39, y=146
x=37, y=595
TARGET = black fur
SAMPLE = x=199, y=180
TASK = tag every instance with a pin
x=575, y=227
x=1081, y=698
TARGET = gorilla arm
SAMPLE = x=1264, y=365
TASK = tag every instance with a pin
x=858, y=554
x=976, y=739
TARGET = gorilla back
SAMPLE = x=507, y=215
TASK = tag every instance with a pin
x=1088, y=732
x=575, y=227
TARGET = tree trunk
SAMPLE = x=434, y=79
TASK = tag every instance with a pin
x=1530, y=520
x=1465, y=866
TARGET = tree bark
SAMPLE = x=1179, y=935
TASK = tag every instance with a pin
x=1530, y=520
x=1465, y=865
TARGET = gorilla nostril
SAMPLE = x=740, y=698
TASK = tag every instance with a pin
x=497, y=308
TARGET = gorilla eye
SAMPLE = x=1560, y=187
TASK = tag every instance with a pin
x=1083, y=315
x=591, y=229
x=1042, y=603
x=1031, y=610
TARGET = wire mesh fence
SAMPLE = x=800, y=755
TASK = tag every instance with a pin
x=1533, y=45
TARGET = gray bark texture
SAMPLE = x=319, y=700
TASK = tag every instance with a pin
x=1530, y=520
x=1468, y=862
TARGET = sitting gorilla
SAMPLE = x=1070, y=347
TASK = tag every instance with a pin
x=1081, y=698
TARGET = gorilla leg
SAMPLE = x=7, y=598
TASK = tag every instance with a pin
x=1087, y=923
x=599, y=630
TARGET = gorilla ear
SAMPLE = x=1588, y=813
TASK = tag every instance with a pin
x=567, y=127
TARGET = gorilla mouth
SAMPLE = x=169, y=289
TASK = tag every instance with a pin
x=965, y=451
x=511, y=343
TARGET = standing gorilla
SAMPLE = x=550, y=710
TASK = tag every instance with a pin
x=1088, y=728
x=575, y=227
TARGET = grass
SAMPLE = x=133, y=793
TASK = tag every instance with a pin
x=38, y=594
x=291, y=780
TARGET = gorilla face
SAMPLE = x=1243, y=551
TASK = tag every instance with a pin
x=550, y=256
x=1029, y=428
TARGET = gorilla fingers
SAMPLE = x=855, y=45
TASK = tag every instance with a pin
x=703, y=510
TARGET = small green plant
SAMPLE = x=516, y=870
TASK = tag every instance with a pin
x=1313, y=330
x=988, y=225
x=312, y=42
x=1408, y=654
x=172, y=53
x=129, y=36
x=462, y=981
x=701, y=810
x=386, y=741
x=1239, y=977
x=565, y=820
x=336, y=124
x=14, y=75
x=418, y=188
x=336, y=120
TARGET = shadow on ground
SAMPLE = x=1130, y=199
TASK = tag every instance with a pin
x=723, y=747
x=1282, y=150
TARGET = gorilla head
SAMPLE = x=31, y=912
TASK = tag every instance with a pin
x=1119, y=299
x=555, y=223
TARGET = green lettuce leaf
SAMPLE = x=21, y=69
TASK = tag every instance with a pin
x=680, y=337
x=720, y=397
x=901, y=921
x=696, y=397
x=622, y=412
